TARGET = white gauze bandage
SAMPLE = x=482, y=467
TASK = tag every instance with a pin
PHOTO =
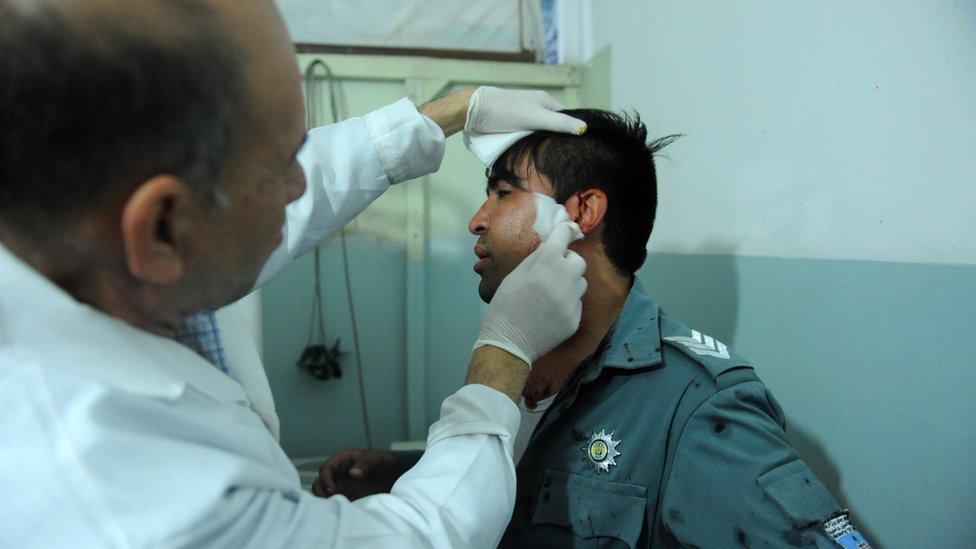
x=548, y=213
x=489, y=146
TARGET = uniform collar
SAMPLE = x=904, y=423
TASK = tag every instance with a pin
x=43, y=326
x=636, y=338
x=634, y=343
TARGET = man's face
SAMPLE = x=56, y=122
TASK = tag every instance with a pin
x=264, y=175
x=503, y=225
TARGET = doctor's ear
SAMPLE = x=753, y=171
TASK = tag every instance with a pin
x=157, y=224
x=588, y=209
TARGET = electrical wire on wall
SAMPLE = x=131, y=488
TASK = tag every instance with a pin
x=321, y=361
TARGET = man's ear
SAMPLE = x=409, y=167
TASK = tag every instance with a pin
x=588, y=209
x=155, y=223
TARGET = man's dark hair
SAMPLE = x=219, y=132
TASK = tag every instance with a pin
x=88, y=107
x=613, y=156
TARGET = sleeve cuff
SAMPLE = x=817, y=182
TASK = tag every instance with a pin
x=409, y=144
x=476, y=409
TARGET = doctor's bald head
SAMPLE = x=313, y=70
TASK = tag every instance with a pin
x=97, y=96
x=149, y=134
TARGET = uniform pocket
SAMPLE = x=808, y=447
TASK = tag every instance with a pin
x=799, y=493
x=595, y=512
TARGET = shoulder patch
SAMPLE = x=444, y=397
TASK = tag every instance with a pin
x=702, y=345
x=714, y=355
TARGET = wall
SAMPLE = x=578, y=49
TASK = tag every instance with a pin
x=818, y=215
x=319, y=418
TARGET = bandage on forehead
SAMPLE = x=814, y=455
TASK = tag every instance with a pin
x=489, y=146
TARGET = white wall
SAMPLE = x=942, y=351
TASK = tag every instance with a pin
x=828, y=129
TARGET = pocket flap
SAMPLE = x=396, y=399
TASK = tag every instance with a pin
x=800, y=494
x=592, y=508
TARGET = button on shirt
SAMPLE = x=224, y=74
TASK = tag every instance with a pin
x=666, y=439
x=115, y=437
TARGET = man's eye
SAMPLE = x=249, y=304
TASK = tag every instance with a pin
x=500, y=193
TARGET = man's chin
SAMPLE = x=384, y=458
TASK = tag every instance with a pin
x=486, y=290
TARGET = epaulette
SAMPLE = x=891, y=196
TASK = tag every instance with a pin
x=720, y=361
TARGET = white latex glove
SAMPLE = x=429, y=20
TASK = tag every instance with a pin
x=538, y=305
x=496, y=110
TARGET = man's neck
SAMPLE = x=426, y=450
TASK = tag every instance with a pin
x=87, y=276
x=604, y=299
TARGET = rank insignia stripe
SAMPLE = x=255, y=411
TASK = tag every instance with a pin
x=702, y=345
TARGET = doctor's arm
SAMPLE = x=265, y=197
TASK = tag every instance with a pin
x=357, y=473
x=349, y=164
x=462, y=491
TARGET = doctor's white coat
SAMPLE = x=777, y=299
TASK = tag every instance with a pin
x=114, y=437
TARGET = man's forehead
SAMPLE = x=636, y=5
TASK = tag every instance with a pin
x=524, y=176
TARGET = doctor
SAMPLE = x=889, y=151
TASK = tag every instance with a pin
x=147, y=155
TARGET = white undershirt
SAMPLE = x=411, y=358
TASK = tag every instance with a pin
x=530, y=418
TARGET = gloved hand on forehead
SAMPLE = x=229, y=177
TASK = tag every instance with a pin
x=497, y=110
x=538, y=305
x=497, y=118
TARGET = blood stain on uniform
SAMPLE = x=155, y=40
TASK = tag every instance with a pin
x=796, y=539
x=719, y=427
x=675, y=515
x=742, y=538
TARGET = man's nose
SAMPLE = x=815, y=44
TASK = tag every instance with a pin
x=479, y=223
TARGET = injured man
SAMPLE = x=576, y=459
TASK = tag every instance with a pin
x=637, y=431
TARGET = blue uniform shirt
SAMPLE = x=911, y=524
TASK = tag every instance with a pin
x=666, y=438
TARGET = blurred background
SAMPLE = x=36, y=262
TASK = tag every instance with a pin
x=818, y=216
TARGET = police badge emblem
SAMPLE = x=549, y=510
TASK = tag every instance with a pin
x=599, y=451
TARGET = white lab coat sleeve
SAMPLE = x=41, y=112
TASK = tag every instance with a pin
x=460, y=494
x=348, y=165
x=156, y=472
x=462, y=491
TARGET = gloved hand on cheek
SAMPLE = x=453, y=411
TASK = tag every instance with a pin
x=539, y=304
x=549, y=214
